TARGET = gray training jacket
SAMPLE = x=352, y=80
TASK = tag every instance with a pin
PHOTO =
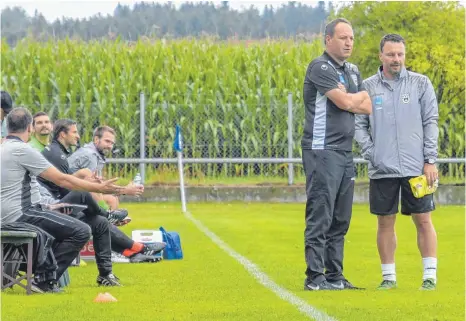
x=402, y=131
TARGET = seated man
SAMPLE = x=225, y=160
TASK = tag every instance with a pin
x=42, y=128
x=65, y=135
x=20, y=165
x=92, y=157
x=120, y=242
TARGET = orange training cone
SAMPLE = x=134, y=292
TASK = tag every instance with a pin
x=110, y=297
x=104, y=297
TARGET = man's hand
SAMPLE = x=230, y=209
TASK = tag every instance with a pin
x=342, y=87
x=133, y=189
x=107, y=187
x=94, y=178
x=62, y=208
x=431, y=172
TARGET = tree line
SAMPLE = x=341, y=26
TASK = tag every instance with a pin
x=156, y=20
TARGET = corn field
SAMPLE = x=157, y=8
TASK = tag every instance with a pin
x=229, y=98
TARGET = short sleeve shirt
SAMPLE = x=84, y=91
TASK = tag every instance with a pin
x=326, y=125
x=20, y=164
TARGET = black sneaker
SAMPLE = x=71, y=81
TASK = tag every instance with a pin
x=109, y=280
x=324, y=285
x=116, y=216
x=142, y=258
x=344, y=285
x=45, y=287
x=153, y=248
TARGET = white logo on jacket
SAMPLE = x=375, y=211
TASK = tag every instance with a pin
x=355, y=79
x=405, y=98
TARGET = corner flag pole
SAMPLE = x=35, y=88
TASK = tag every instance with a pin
x=178, y=146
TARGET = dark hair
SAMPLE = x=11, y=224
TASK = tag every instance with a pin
x=392, y=37
x=18, y=120
x=99, y=131
x=6, y=101
x=62, y=125
x=38, y=114
x=330, y=27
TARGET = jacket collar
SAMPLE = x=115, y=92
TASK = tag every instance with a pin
x=13, y=137
x=66, y=151
x=403, y=73
x=34, y=139
x=332, y=61
x=92, y=147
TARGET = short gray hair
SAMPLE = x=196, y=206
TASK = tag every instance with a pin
x=18, y=120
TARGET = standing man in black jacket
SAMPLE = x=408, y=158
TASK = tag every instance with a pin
x=333, y=93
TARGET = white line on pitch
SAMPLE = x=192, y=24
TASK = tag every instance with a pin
x=263, y=278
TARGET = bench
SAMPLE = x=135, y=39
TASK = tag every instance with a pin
x=12, y=255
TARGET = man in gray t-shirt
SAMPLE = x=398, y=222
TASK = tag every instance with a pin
x=20, y=196
x=20, y=164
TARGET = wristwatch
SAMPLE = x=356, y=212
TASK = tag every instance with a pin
x=429, y=161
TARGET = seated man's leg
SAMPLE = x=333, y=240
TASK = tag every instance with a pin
x=70, y=234
x=85, y=198
x=102, y=247
x=135, y=251
x=112, y=201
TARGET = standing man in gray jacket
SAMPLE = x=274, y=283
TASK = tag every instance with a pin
x=399, y=139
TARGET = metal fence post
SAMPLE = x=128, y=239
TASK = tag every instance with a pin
x=290, y=138
x=142, y=134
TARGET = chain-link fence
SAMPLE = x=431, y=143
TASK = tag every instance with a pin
x=223, y=139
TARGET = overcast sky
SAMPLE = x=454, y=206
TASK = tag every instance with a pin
x=53, y=9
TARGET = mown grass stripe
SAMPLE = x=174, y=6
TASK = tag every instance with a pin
x=260, y=276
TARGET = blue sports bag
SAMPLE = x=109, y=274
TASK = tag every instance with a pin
x=173, y=249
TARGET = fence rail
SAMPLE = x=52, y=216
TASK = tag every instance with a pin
x=221, y=137
x=242, y=160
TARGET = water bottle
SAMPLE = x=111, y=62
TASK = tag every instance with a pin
x=137, y=179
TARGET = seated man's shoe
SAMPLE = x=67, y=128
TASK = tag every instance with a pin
x=109, y=280
x=324, y=285
x=142, y=258
x=116, y=216
x=153, y=248
x=45, y=287
x=124, y=221
x=344, y=285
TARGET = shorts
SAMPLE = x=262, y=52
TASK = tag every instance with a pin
x=384, y=197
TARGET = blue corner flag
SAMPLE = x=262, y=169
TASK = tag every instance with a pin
x=178, y=143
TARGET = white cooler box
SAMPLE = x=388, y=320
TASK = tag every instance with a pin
x=147, y=237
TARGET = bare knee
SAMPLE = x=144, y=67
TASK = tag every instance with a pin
x=386, y=222
x=112, y=201
x=422, y=221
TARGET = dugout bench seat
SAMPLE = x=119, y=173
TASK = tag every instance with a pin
x=13, y=254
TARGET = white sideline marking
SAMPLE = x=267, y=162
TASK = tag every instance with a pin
x=263, y=278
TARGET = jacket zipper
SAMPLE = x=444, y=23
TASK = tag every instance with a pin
x=395, y=105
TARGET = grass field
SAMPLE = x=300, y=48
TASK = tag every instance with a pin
x=208, y=284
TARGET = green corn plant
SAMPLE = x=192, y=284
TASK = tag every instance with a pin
x=230, y=99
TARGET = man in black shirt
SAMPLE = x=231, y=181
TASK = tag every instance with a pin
x=333, y=93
